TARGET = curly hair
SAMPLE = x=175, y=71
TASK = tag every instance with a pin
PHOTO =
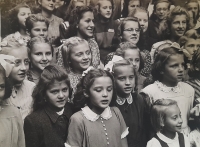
x=33, y=18
x=80, y=99
x=50, y=74
x=75, y=17
x=123, y=47
x=13, y=19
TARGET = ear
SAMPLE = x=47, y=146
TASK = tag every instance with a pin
x=40, y=2
x=162, y=123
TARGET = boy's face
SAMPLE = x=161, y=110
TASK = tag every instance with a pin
x=125, y=80
x=192, y=45
x=178, y=25
x=106, y=9
x=161, y=10
x=18, y=73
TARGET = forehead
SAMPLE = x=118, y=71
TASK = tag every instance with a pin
x=140, y=15
x=177, y=58
x=172, y=110
x=131, y=24
x=162, y=4
x=102, y=81
x=79, y=3
x=192, y=4
x=41, y=47
x=87, y=15
x=193, y=41
x=39, y=24
x=58, y=84
x=82, y=47
x=19, y=53
x=136, y=2
x=181, y=17
x=124, y=70
x=105, y=3
x=131, y=53
x=24, y=9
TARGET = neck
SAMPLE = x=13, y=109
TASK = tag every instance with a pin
x=169, y=83
x=82, y=36
x=103, y=19
x=22, y=31
x=47, y=14
x=96, y=110
x=123, y=95
x=168, y=133
x=174, y=38
x=77, y=71
x=36, y=72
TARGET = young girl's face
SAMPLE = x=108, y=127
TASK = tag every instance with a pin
x=23, y=15
x=86, y=25
x=192, y=45
x=143, y=20
x=57, y=95
x=131, y=32
x=125, y=80
x=39, y=29
x=80, y=57
x=178, y=25
x=161, y=10
x=18, y=73
x=133, y=4
x=2, y=86
x=48, y=5
x=105, y=9
x=193, y=7
x=173, y=70
x=133, y=56
x=172, y=120
x=41, y=56
x=100, y=94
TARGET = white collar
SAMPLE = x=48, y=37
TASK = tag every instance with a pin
x=60, y=112
x=121, y=101
x=90, y=115
x=167, y=89
x=166, y=139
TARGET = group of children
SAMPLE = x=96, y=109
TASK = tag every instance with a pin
x=84, y=77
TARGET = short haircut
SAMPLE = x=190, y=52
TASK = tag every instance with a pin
x=127, y=45
x=158, y=112
x=33, y=18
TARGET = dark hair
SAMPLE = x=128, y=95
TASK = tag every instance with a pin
x=84, y=85
x=158, y=112
x=161, y=60
x=194, y=65
x=8, y=87
x=36, y=40
x=125, y=7
x=127, y=45
x=75, y=17
x=50, y=74
x=13, y=19
x=33, y=18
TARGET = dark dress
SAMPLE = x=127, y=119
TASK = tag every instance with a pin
x=133, y=116
x=45, y=128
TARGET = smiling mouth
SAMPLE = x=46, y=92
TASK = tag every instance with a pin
x=104, y=102
x=128, y=88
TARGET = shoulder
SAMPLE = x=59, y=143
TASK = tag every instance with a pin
x=77, y=117
x=149, y=89
x=186, y=86
x=58, y=19
x=36, y=115
x=28, y=83
x=9, y=111
x=153, y=143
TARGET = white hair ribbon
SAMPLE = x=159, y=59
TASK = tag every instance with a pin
x=7, y=62
x=109, y=66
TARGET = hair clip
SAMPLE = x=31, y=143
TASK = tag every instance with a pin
x=87, y=70
x=109, y=66
x=7, y=62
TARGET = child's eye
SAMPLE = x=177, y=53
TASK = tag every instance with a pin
x=121, y=78
x=137, y=60
x=110, y=89
x=17, y=62
x=79, y=54
x=54, y=91
x=88, y=52
x=65, y=90
x=98, y=89
x=48, y=53
x=26, y=62
x=2, y=87
x=38, y=54
x=131, y=77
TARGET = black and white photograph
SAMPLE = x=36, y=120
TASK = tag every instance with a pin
x=99, y=73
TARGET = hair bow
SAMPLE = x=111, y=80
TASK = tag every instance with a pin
x=3, y=43
x=7, y=62
x=109, y=66
x=87, y=70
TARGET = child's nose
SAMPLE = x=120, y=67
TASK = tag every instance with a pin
x=61, y=95
x=105, y=94
x=127, y=81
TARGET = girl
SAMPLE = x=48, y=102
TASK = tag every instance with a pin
x=47, y=7
x=167, y=72
x=77, y=58
x=37, y=25
x=11, y=124
x=166, y=120
x=17, y=18
x=132, y=53
x=40, y=55
x=96, y=124
x=47, y=126
x=81, y=25
x=128, y=6
x=129, y=102
x=21, y=96
x=129, y=30
x=105, y=27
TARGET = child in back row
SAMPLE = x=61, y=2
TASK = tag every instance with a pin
x=97, y=123
x=167, y=72
x=128, y=101
x=166, y=120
